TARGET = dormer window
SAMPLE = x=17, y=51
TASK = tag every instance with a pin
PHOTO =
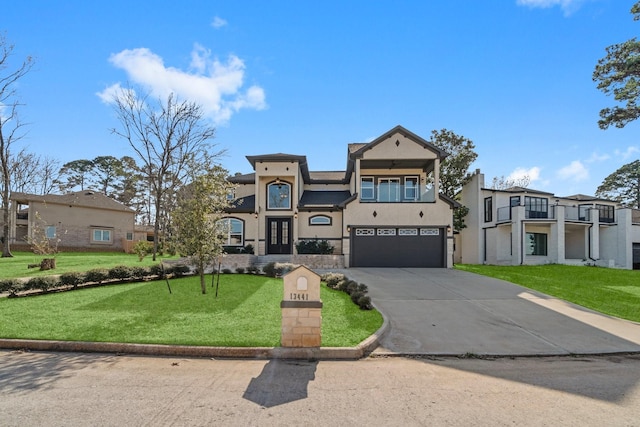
x=279, y=195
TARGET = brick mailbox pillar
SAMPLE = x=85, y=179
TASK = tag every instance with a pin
x=301, y=309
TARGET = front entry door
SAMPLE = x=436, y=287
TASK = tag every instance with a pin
x=278, y=235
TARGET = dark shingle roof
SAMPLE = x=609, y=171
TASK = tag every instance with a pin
x=243, y=205
x=323, y=198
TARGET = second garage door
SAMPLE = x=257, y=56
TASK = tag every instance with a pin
x=398, y=247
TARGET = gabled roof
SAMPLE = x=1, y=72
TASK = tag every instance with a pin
x=328, y=177
x=402, y=131
x=86, y=198
x=323, y=198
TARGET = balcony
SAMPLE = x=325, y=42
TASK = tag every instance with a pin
x=577, y=213
x=504, y=213
x=396, y=193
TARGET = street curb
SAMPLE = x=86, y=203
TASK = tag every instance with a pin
x=315, y=353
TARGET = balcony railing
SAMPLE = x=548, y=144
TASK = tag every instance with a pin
x=573, y=213
x=504, y=213
x=396, y=194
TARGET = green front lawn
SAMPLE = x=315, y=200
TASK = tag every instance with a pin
x=607, y=290
x=246, y=313
x=15, y=267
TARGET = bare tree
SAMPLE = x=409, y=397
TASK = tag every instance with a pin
x=502, y=183
x=170, y=138
x=10, y=127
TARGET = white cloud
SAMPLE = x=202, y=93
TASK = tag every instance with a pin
x=630, y=151
x=567, y=6
x=215, y=85
x=519, y=173
x=575, y=171
x=596, y=157
x=218, y=22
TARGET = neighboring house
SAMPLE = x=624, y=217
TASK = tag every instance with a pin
x=384, y=210
x=84, y=220
x=522, y=226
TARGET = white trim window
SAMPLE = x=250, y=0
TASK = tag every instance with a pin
x=279, y=196
x=388, y=189
x=320, y=220
x=233, y=231
x=101, y=235
x=367, y=188
x=411, y=187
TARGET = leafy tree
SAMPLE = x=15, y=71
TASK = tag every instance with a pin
x=75, y=174
x=623, y=185
x=454, y=169
x=10, y=128
x=170, y=138
x=618, y=73
x=198, y=230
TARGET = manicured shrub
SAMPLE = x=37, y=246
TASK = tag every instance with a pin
x=139, y=273
x=269, y=269
x=180, y=270
x=156, y=270
x=226, y=271
x=253, y=270
x=120, y=272
x=333, y=279
x=364, y=302
x=41, y=283
x=11, y=286
x=72, y=279
x=314, y=246
x=97, y=275
x=240, y=270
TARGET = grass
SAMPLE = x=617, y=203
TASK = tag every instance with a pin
x=610, y=291
x=246, y=313
x=16, y=267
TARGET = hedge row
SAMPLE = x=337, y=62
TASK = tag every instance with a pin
x=357, y=292
x=72, y=280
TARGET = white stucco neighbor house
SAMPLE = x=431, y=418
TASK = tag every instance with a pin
x=523, y=226
x=383, y=210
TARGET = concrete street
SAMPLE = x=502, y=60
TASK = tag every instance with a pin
x=72, y=389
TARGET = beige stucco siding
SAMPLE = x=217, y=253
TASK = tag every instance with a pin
x=405, y=149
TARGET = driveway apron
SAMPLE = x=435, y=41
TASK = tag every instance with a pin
x=452, y=312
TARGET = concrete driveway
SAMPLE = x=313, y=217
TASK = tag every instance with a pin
x=452, y=312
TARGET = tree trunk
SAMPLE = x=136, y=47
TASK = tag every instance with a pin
x=203, y=285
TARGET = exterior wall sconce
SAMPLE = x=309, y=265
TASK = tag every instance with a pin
x=278, y=180
x=448, y=229
x=255, y=215
x=348, y=229
x=295, y=215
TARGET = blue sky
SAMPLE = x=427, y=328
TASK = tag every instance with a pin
x=309, y=77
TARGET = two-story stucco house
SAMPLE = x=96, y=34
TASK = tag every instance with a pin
x=83, y=220
x=523, y=226
x=384, y=210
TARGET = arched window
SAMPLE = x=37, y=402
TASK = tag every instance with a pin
x=279, y=195
x=234, y=231
x=320, y=220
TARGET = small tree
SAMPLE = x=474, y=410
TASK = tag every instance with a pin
x=199, y=233
x=42, y=244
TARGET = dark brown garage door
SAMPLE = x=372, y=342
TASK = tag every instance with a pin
x=398, y=247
